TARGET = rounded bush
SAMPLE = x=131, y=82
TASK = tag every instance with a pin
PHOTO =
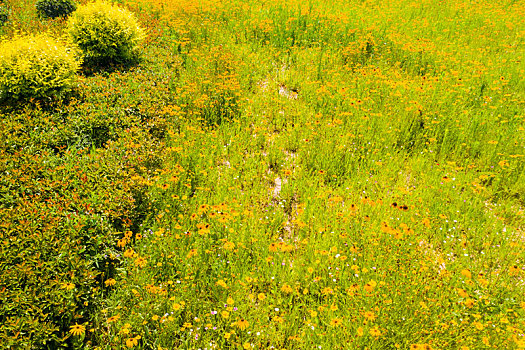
x=36, y=66
x=55, y=8
x=105, y=31
x=4, y=14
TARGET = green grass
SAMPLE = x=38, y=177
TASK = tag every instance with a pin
x=292, y=176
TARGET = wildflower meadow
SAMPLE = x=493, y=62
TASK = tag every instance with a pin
x=241, y=174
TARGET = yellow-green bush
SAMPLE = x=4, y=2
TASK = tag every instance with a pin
x=36, y=66
x=105, y=31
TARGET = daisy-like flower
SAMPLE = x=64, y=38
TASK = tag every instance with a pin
x=336, y=322
x=375, y=332
x=140, y=262
x=242, y=324
x=131, y=342
x=222, y=283
x=369, y=287
x=229, y=245
x=110, y=282
x=68, y=286
x=77, y=329
x=129, y=253
x=113, y=318
x=360, y=331
x=369, y=316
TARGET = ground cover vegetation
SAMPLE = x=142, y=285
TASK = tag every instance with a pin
x=254, y=175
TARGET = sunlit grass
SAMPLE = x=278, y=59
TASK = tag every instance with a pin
x=304, y=175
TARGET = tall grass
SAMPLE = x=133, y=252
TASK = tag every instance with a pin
x=337, y=175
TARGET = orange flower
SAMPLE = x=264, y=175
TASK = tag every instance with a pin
x=287, y=289
x=466, y=273
x=131, y=342
x=129, y=253
x=229, y=245
x=369, y=315
x=113, y=318
x=191, y=253
x=141, y=262
x=242, y=324
x=375, y=332
x=336, y=322
x=110, y=282
x=369, y=287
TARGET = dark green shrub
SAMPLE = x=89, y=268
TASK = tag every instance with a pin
x=4, y=14
x=55, y=8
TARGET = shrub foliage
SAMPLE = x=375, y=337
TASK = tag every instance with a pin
x=36, y=66
x=4, y=14
x=105, y=31
x=55, y=8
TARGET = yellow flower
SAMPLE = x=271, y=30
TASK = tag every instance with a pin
x=68, y=286
x=229, y=245
x=375, y=332
x=227, y=335
x=478, y=326
x=360, y=331
x=514, y=270
x=230, y=301
x=110, y=282
x=222, y=283
x=462, y=293
x=176, y=306
x=287, y=289
x=327, y=290
x=336, y=322
x=261, y=296
x=469, y=303
x=126, y=329
x=242, y=324
x=113, y=318
x=369, y=287
x=77, y=329
x=131, y=342
x=191, y=253
x=466, y=273
x=225, y=314
x=246, y=346
x=140, y=262
x=129, y=253
x=278, y=319
x=369, y=316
